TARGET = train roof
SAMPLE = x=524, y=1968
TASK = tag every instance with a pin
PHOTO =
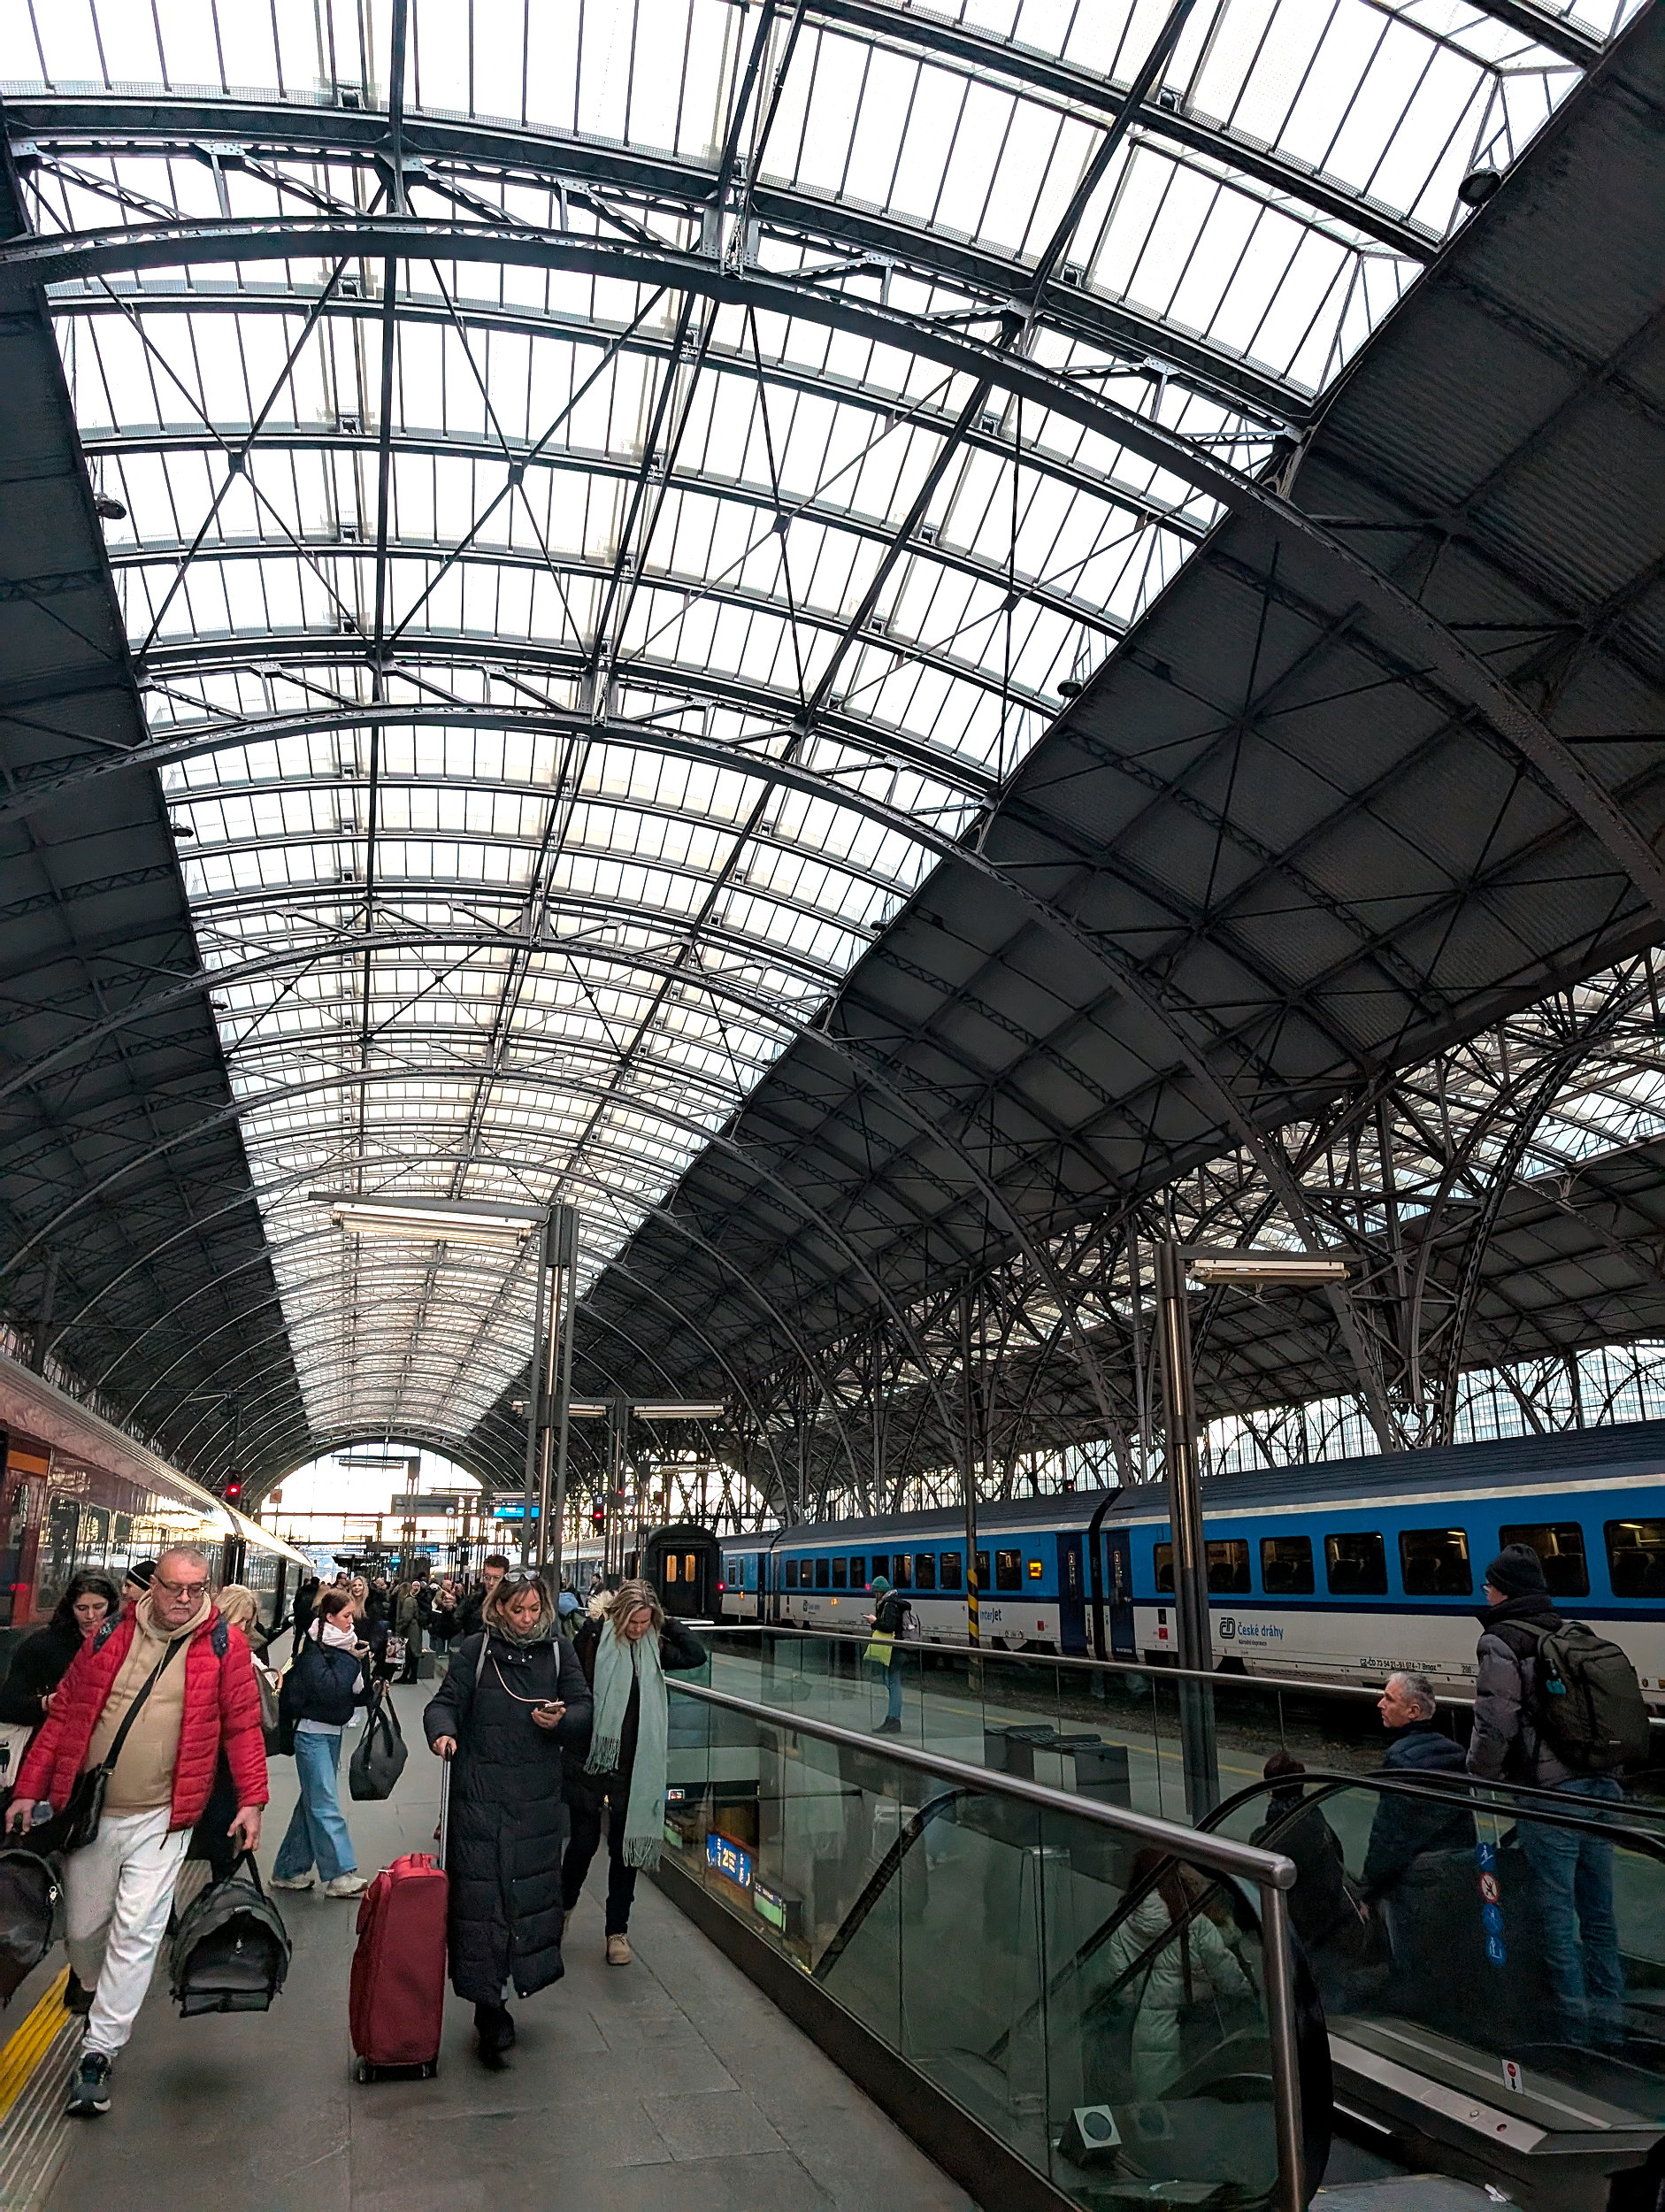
x=1627, y=1449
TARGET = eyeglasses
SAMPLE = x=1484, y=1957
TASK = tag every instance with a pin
x=178, y=1589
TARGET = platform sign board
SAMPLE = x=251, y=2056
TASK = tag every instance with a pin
x=412, y=1505
x=729, y=1859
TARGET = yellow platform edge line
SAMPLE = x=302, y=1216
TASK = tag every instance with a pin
x=29, y=2042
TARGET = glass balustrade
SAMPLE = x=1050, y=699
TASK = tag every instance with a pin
x=1091, y=1987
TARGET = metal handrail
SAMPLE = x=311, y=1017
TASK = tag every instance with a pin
x=1270, y=1872
x=1162, y=1673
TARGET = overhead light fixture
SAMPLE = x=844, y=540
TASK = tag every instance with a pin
x=1257, y=1270
x=651, y=1410
x=433, y=1220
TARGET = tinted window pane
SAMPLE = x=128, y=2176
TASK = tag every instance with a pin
x=1560, y=1545
x=924, y=1571
x=822, y=1579
x=1434, y=1562
x=982, y=1571
x=1636, y=1558
x=1355, y=1564
x=1165, y=1568
x=880, y=1567
x=1008, y=1571
x=902, y=1571
x=841, y=1574
x=858, y=1571
x=1287, y=1566
x=792, y=1574
x=948, y=1570
x=1228, y=1566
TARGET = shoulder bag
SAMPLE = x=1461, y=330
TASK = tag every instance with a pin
x=378, y=1760
x=85, y=1807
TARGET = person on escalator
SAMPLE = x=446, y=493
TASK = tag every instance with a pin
x=1175, y=1960
x=1418, y=1873
x=1572, y=1870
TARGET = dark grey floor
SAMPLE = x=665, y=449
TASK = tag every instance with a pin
x=672, y=2083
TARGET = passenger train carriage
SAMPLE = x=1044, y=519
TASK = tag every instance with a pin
x=1340, y=1570
x=78, y=1491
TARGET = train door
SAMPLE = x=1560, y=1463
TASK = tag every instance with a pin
x=1119, y=1561
x=1073, y=1597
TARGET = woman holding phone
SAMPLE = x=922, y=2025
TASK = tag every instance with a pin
x=513, y=1696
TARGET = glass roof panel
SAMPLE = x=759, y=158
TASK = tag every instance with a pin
x=568, y=664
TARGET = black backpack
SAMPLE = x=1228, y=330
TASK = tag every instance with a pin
x=231, y=1950
x=1589, y=1705
x=31, y=1913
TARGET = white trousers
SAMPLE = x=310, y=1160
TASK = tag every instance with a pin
x=117, y=1895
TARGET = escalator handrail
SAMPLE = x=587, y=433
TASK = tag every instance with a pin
x=1577, y=1812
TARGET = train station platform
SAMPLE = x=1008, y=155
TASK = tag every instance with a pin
x=672, y=2082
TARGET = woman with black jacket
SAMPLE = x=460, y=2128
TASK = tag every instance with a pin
x=625, y=1647
x=41, y=1661
x=315, y=1704
x=513, y=1696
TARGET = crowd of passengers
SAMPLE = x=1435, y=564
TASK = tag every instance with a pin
x=553, y=1712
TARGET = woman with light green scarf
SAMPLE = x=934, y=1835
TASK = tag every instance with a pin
x=625, y=1647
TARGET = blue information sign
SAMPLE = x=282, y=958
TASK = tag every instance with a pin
x=729, y=1859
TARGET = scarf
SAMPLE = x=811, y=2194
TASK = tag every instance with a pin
x=620, y=1667
x=338, y=1639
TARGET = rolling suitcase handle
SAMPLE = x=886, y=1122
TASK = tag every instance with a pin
x=445, y=1811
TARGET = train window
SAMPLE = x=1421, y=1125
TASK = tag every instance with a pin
x=823, y=1574
x=1355, y=1564
x=982, y=1571
x=792, y=1574
x=1560, y=1546
x=1636, y=1558
x=1164, y=1569
x=881, y=1568
x=671, y=1566
x=688, y=1574
x=1434, y=1562
x=1008, y=1571
x=1287, y=1566
x=1228, y=1566
x=948, y=1572
x=841, y=1574
x=901, y=1570
x=858, y=1571
x=924, y=1571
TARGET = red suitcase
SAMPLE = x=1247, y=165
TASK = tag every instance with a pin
x=398, y=1987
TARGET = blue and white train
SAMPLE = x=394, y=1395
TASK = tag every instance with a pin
x=1337, y=1572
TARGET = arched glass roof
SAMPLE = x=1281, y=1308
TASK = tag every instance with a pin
x=609, y=494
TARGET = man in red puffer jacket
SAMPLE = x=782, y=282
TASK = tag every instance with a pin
x=181, y=1684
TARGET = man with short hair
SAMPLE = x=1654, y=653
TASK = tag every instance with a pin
x=1420, y=1855
x=467, y=1619
x=157, y=1696
x=1571, y=1869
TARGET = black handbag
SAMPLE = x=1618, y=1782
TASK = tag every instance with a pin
x=31, y=1913
x=378, y=1760
x=230, y=1952
x=85, y=1807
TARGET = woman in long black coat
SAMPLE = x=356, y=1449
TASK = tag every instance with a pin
x=513, y=1697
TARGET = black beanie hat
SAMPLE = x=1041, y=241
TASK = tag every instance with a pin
x=1518, y=1571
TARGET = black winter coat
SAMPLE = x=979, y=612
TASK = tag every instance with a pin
x=38, y=1665
x=319, y=1686
x=509, y=1821
x=678, y=1652
x=1407, y=1829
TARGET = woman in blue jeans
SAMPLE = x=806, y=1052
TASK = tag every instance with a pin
x=319, y=1692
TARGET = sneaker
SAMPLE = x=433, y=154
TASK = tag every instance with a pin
x=289, y=1881
x=89, y=2093
x=888, y=1728
x=618, y=1950
x=346, y=1885
x=78, y=1998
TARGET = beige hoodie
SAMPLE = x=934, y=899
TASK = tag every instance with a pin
x=143, y=1779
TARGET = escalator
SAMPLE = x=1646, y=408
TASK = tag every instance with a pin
x=1447, y=2037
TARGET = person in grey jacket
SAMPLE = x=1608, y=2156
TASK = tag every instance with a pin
x=1571, y=1867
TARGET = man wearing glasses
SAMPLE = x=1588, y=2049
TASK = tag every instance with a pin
x=153, y=1699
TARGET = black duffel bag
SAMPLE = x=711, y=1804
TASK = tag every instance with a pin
x=31, y=1913
x=378, y=1760
x=231, y=1950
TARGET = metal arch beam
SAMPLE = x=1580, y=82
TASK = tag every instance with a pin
x=964, y=264
x=567, y=460
x=527, y=322
x=30, y=262
x=1063, y=81
x=102, y=122
x=749, y=598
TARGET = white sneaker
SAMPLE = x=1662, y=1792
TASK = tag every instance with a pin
x=288, y=1881
x=346, y=1885
x=618, y=1950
